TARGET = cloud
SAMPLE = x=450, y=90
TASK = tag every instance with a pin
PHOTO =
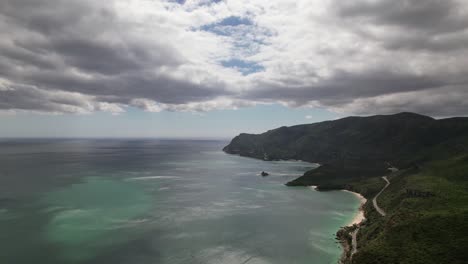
x=216, y=104
x=25, y=97
x=436, y=16
x=93, y=50
x=359, y=57
x=442, y=102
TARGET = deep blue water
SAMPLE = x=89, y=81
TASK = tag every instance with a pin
x=159, y=201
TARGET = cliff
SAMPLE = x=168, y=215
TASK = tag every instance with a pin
x=357, y=147
x=426, y=202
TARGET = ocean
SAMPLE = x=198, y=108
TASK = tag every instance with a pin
x=155, y=201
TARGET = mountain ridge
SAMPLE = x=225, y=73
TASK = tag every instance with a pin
x=426, y=204
x=351, y=140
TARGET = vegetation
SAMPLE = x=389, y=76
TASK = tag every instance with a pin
x=427, y=200
x=356, y=142
x=420, y=228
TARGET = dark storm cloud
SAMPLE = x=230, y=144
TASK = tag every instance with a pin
x=44, y=16
x=365, y=56
x=345, y=86
x=375, y=94
x=124, y=88
x=419, y=45
x=428, y=15
x=82, y=47
x=25, y=97
x=442, y=44
x=86, y=37
x=444, y=101
x=19, y=56
x=432, y=25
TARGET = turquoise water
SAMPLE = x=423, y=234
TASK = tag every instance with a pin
x=156, y=201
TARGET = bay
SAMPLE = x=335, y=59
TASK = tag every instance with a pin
x=160, y=201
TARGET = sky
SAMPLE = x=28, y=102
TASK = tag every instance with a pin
x=199, y=68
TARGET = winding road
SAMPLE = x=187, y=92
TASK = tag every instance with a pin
x=374, y=201
x=377, y=208
x=354, y=241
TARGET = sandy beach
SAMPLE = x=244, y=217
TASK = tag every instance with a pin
x=359, y=217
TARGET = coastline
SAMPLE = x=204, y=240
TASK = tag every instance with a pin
x=347, y=235
x=359, y=217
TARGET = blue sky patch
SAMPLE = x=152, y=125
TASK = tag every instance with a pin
x=178, y=1
x=246, y=67
x=235, y=21
x=225, y=26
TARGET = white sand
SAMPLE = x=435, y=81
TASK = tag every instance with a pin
x=359, y=217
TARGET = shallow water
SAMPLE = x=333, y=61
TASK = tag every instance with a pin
x=160, y=201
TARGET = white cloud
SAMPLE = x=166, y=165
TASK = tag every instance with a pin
x=147, y=105
x=360, y=57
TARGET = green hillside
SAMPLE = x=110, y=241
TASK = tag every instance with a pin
x=426, y=203
x=427, y=216
x=352, y=139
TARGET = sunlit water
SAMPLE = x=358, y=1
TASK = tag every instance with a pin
x=160, y=202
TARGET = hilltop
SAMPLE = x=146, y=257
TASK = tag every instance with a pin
x=426, y=203
x=359, y=146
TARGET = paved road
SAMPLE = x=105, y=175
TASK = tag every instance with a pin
x=376, y=206
x=374, y=201
x=354, y=241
